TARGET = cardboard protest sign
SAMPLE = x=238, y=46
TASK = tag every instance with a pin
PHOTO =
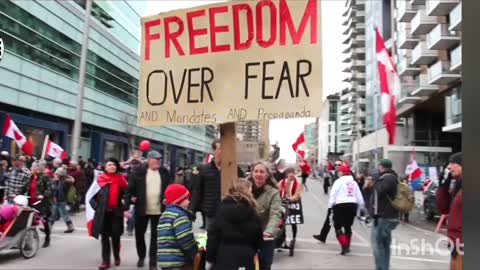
x=294, y=213
x=233, y=61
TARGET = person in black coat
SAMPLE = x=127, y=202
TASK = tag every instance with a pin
x=109, y=204
x=146, y=189
x=206, y=195
x=236, y=235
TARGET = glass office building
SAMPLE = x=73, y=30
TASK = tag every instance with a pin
x=39, y=80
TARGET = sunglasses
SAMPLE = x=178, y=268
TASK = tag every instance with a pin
x=338, y=165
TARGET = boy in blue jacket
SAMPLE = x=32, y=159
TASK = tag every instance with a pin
x=176, y=243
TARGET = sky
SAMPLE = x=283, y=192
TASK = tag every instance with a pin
x=286, y=131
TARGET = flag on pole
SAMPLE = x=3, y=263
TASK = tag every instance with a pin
x=389, y=86
x=11, y=130
x=300, y=146
x=412, y=170
x=54, y=150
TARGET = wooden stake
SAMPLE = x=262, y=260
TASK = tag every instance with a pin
x=44, y=149
x=228, y=156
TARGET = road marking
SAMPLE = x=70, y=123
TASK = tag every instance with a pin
x=370, y=255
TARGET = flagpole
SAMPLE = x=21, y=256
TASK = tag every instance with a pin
x=44, y=150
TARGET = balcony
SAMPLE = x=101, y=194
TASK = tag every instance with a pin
x=406, y=40
x=416, y=2
x=409, y=100
x=456, y=18
x=440, y=7
x=360, y=26
x=346, y=106
x=440, y=74
x=361, y=114
x=346, y=40
x=360, y=38
x=360, y=88
x=456, y=59
x=405, y=11
x=423, y=24
x=359, y=50
x=440, y=38
x=358, y=64
x=360, y=15
x=422, y=88
x=421, y=55
x=405, y=69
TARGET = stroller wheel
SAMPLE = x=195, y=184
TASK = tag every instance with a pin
x=292, y=247
x=29, y=243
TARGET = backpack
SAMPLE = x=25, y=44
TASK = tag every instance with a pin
x=404, y=199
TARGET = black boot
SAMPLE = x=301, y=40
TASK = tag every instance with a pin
x=70, y=227
x=46, y=243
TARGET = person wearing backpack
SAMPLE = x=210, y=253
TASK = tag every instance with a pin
x=385, y=215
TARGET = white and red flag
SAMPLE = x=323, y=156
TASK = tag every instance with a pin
x=89, y=211
x=389, y=86
x=300, y=146
x=208, y=158
x=11, y=130
x=54, y=150
x=412, y=170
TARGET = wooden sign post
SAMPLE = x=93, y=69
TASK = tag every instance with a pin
x=228, y=156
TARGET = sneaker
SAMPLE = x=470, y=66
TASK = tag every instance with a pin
x=117, y=262
x=103, y=266
x=141, y=263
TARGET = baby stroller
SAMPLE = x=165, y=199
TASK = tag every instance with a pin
x=281, y=240
x=22, y=234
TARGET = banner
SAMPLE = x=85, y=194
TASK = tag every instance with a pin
x=294, y=213
x=233, y=61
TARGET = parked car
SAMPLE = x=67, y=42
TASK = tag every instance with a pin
x=430, y=201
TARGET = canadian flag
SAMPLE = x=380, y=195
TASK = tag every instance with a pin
x=412, y=170
x=89, y=211
x=389, y=85
x=208, y=158
x=300, y=146
x=11, y=130
x=54, y=150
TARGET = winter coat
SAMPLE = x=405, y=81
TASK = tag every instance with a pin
x=384, y=191
x=99, y=203
x=62, y=187
x=80, y=183
x=235, y=236
x=270, y=210
x=345, y=190
x=45, y=188
x=137, y=185
x=207, y=192
x=176, y=245
x=450, y=202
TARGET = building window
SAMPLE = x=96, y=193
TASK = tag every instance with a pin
x=31, y=38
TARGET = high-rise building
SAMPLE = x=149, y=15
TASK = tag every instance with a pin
x=40, y=70
x=352, y=109
x=252, y=140
x=329, y=144
x=425, y=41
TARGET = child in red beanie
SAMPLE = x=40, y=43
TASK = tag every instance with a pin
x=176, y=243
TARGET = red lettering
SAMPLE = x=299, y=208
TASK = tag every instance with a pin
x=273, y=23
x=195, y=32
x=149, y=37
x=287, y=21
x=172, y=37
x=214, y=29
x=236, y=26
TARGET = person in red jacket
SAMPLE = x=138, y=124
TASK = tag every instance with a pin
x=449, y=201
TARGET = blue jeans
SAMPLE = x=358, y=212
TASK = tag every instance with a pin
x=265, y=255
x=60, y=208
x=381, y=240
x=131, y=221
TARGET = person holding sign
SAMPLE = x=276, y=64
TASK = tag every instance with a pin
x=345, y=198
x=291, y=190
x=269, y=209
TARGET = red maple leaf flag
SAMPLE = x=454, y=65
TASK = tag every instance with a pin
x=11, y=130
x=300, y=146
x=208, y=158
x=54, y=150
x=412, y=170
x=389, y=86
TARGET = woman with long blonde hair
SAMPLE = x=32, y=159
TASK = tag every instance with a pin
x=236, y=235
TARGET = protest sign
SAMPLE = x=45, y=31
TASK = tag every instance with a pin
x=233, y=61
x=294, y=213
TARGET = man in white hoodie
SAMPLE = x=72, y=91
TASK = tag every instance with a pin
x=345, y=198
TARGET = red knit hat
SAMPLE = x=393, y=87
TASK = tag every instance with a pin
x=345, y=169
x=176, y=194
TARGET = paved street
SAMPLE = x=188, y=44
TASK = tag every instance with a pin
x=78, y=251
